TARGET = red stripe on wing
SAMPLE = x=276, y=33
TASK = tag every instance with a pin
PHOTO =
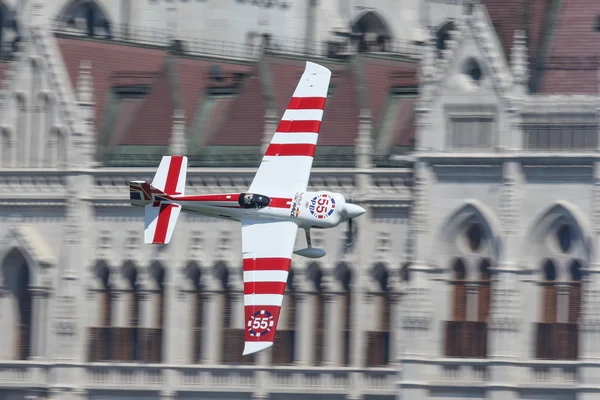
x=264, y=287
x=307, y=103
x=267, y=264
x=286, y=126
x=162, y=225
x=291, y=149
x=173, y=174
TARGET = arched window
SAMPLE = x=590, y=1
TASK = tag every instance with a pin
x=373, y=31
x=442, y=35
x=466, y=331
x=379, y=336
x=9, y=31
x=86, y=17
x=284, y=347
x=128, y=344
x=16, y=272
x=100, y=335
x=152, y=335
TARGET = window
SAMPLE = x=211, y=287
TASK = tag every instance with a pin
x=471, y=133
x=560, y=132
x=466, y=332
x=557, y=336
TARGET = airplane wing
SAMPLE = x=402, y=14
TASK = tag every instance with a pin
x=286, y=164
x=267, y=251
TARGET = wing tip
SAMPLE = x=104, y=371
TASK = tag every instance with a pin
x=312, y=67
x=255, y=347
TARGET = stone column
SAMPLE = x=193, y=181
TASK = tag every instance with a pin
x=39, y=319
x=333, y=331
x=214, y=344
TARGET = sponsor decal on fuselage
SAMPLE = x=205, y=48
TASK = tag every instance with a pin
x=295, y=209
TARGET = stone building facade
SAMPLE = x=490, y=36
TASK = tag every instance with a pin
x=475, y=154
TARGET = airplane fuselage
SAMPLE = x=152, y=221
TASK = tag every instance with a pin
x=321, y=210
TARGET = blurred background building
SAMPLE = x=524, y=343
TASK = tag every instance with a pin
x=467, y=129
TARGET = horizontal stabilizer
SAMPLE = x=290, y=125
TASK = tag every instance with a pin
x=160, y=222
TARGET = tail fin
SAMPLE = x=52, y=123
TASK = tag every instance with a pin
x=159, y=211
x=171, y=174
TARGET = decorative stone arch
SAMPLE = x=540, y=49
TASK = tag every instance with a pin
x=373, y=28
x=380, y=277
x=8, y=23
x=457, y=228
x=314, y=274
x=21, y=100
x=158, y=274
x=546, y=240
x=192, y=276
x=221, y=274
x=100, y=14
x=343, y=275
x=101, y=275
x=35, y=251
x=130, y=273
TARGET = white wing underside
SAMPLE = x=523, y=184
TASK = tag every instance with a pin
x=267, y=249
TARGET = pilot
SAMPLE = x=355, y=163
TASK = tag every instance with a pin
x=248, y=199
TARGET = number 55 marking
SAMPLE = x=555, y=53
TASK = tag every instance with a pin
x=260, y=323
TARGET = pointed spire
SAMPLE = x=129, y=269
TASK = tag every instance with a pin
x=177, y=142
x=519, y=60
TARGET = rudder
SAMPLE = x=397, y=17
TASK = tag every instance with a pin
x=171, y=175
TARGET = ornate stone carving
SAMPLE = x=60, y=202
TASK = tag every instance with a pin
x=596, y=200
x=509, y=209
x=590, y=316
x=419, y=211
x=418, y=311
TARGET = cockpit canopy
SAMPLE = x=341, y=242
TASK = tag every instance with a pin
x=251, y=200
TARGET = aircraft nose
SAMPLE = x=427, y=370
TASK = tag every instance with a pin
x=353, y=211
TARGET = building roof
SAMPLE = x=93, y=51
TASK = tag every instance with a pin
x=137, y=89
x=562, y=40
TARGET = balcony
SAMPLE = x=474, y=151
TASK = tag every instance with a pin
x=127, y=376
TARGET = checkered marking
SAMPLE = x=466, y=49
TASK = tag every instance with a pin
x=260, y=323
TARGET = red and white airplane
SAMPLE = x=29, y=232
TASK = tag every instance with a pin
x=275, y=206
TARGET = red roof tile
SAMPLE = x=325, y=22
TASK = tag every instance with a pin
x=106, y=59
x=405, y=124
x=506, y=16
x=220, y=114
x=245, y=125
x=153, y=121
x=4, y=66
x=572, y=65
x=379, y=75
x=194, y=79
x=340, y=120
